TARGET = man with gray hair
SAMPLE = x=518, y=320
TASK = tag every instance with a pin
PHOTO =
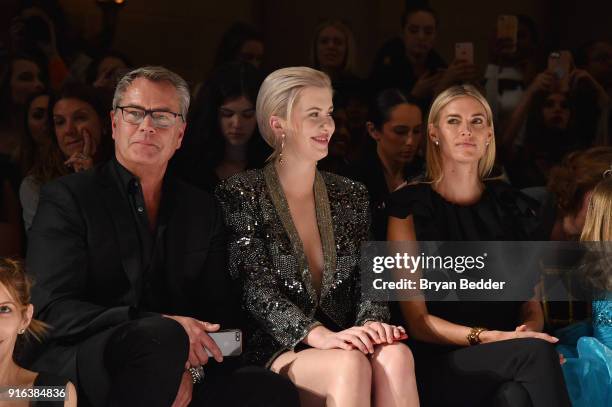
x=130, y=270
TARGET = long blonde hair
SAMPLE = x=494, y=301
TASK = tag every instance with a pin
x=598, y=222
x=433, y=155
x=598, y=228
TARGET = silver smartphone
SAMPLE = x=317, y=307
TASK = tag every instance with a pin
x=229, y=341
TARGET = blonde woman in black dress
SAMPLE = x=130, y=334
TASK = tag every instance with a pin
x=511, y=362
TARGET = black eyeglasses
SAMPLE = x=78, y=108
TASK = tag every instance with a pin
x=160, y=118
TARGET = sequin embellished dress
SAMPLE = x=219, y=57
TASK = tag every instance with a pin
x=267, y=259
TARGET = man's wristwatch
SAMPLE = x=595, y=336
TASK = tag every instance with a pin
x=197, y=374
x=474, y=336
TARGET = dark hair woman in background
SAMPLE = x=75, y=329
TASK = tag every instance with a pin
x=550, y=122
x=222, y=137
x=35, y=138
x=80, y=137
x=411, y=64
x=25, y=77
x=241, y=42
x=396, y=125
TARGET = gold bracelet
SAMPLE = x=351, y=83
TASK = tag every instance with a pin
x=474, y=336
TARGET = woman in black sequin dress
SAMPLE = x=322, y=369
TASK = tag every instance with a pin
x=294, y=247
x=511, y=362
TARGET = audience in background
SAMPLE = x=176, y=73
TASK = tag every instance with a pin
x=396, y=125
x=341, y=145
x=511, y=68
x=24, y=77
x=549, y=122
x=222, y=138
x=569, y=188
x=35, y=138
x=106, y=70
x=79, y=138
x=241, y=42
x=411, y=64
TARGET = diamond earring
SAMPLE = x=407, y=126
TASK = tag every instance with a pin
x=280, y=155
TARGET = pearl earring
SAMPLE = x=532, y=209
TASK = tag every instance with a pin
x=437, y=142
x=21, y=331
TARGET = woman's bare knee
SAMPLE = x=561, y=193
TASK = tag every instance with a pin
x=394, y=357
x=351, y=366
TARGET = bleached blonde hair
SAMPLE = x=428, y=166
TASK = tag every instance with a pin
x=279, y=94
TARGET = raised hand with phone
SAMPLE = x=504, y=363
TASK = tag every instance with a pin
x=461, y=70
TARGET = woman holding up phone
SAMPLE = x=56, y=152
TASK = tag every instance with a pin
x=561, y=111
x=411, y=64
x=295, y=236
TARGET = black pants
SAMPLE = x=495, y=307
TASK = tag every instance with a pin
x=145, y=360
x=516, y=373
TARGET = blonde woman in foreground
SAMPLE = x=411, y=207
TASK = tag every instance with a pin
x=472, y=353
x=294, y=246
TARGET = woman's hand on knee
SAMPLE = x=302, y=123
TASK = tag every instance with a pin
x=385, y=332
x=356, y=337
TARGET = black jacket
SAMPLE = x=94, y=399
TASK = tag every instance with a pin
x=84, y=256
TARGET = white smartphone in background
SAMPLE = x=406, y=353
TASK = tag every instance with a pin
x=560, y=62
x=229, y=341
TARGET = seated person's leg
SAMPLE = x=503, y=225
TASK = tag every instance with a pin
x=474, y=376
x=248, y=386
x=144, y=360
x=394, y=382
x=334, y=376
x=511, y=394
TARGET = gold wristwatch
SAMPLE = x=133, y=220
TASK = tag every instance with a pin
x=474, y=336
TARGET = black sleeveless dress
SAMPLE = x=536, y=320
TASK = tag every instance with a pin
x=502, y=214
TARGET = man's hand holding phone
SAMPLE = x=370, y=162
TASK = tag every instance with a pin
x=199, y=340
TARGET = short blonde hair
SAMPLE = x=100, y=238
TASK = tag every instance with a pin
x=434, y=159
x=279, y=94
x=348, y=64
